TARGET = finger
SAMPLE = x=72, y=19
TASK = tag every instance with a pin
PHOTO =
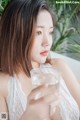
x=43, y=90
x=50, y=99
x=37, y=91
x=52, y=89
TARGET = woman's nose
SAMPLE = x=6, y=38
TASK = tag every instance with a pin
x=45, y=41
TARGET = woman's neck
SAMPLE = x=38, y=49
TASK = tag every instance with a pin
x=35, y=64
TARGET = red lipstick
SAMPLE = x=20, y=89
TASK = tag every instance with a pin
x=44, y=53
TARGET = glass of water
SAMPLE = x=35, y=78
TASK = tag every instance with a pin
x=45, y=74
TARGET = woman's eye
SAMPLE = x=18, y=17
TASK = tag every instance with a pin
x=51, y=33
x=38, y=32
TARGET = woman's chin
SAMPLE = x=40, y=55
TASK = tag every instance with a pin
x=43, y=60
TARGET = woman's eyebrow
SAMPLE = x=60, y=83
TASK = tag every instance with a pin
x=44, y=27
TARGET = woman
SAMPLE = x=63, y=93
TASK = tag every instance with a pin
x=25, y=40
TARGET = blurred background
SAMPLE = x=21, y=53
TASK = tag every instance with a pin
x=66, y=36
x=67, y=33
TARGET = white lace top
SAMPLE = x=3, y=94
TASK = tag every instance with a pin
x=17, y=101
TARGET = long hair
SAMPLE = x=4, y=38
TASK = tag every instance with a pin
x=17, y=27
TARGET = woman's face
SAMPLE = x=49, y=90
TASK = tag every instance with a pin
x=43, y=37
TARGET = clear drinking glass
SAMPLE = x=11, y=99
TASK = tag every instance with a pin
x=45, y=74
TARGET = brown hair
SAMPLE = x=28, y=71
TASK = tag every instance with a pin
x=17, y=33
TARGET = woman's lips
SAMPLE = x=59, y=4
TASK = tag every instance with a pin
x=44, y=53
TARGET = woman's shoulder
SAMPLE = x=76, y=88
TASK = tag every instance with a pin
x=58, y=62
x=4, y=78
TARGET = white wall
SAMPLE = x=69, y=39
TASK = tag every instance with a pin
x=74, y=64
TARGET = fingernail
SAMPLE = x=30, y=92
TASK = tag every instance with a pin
x=37, y=96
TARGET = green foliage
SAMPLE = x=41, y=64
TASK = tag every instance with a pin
x=3, y=4
x=68, y=25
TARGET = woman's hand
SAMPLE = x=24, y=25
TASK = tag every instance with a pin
x=39, y=100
